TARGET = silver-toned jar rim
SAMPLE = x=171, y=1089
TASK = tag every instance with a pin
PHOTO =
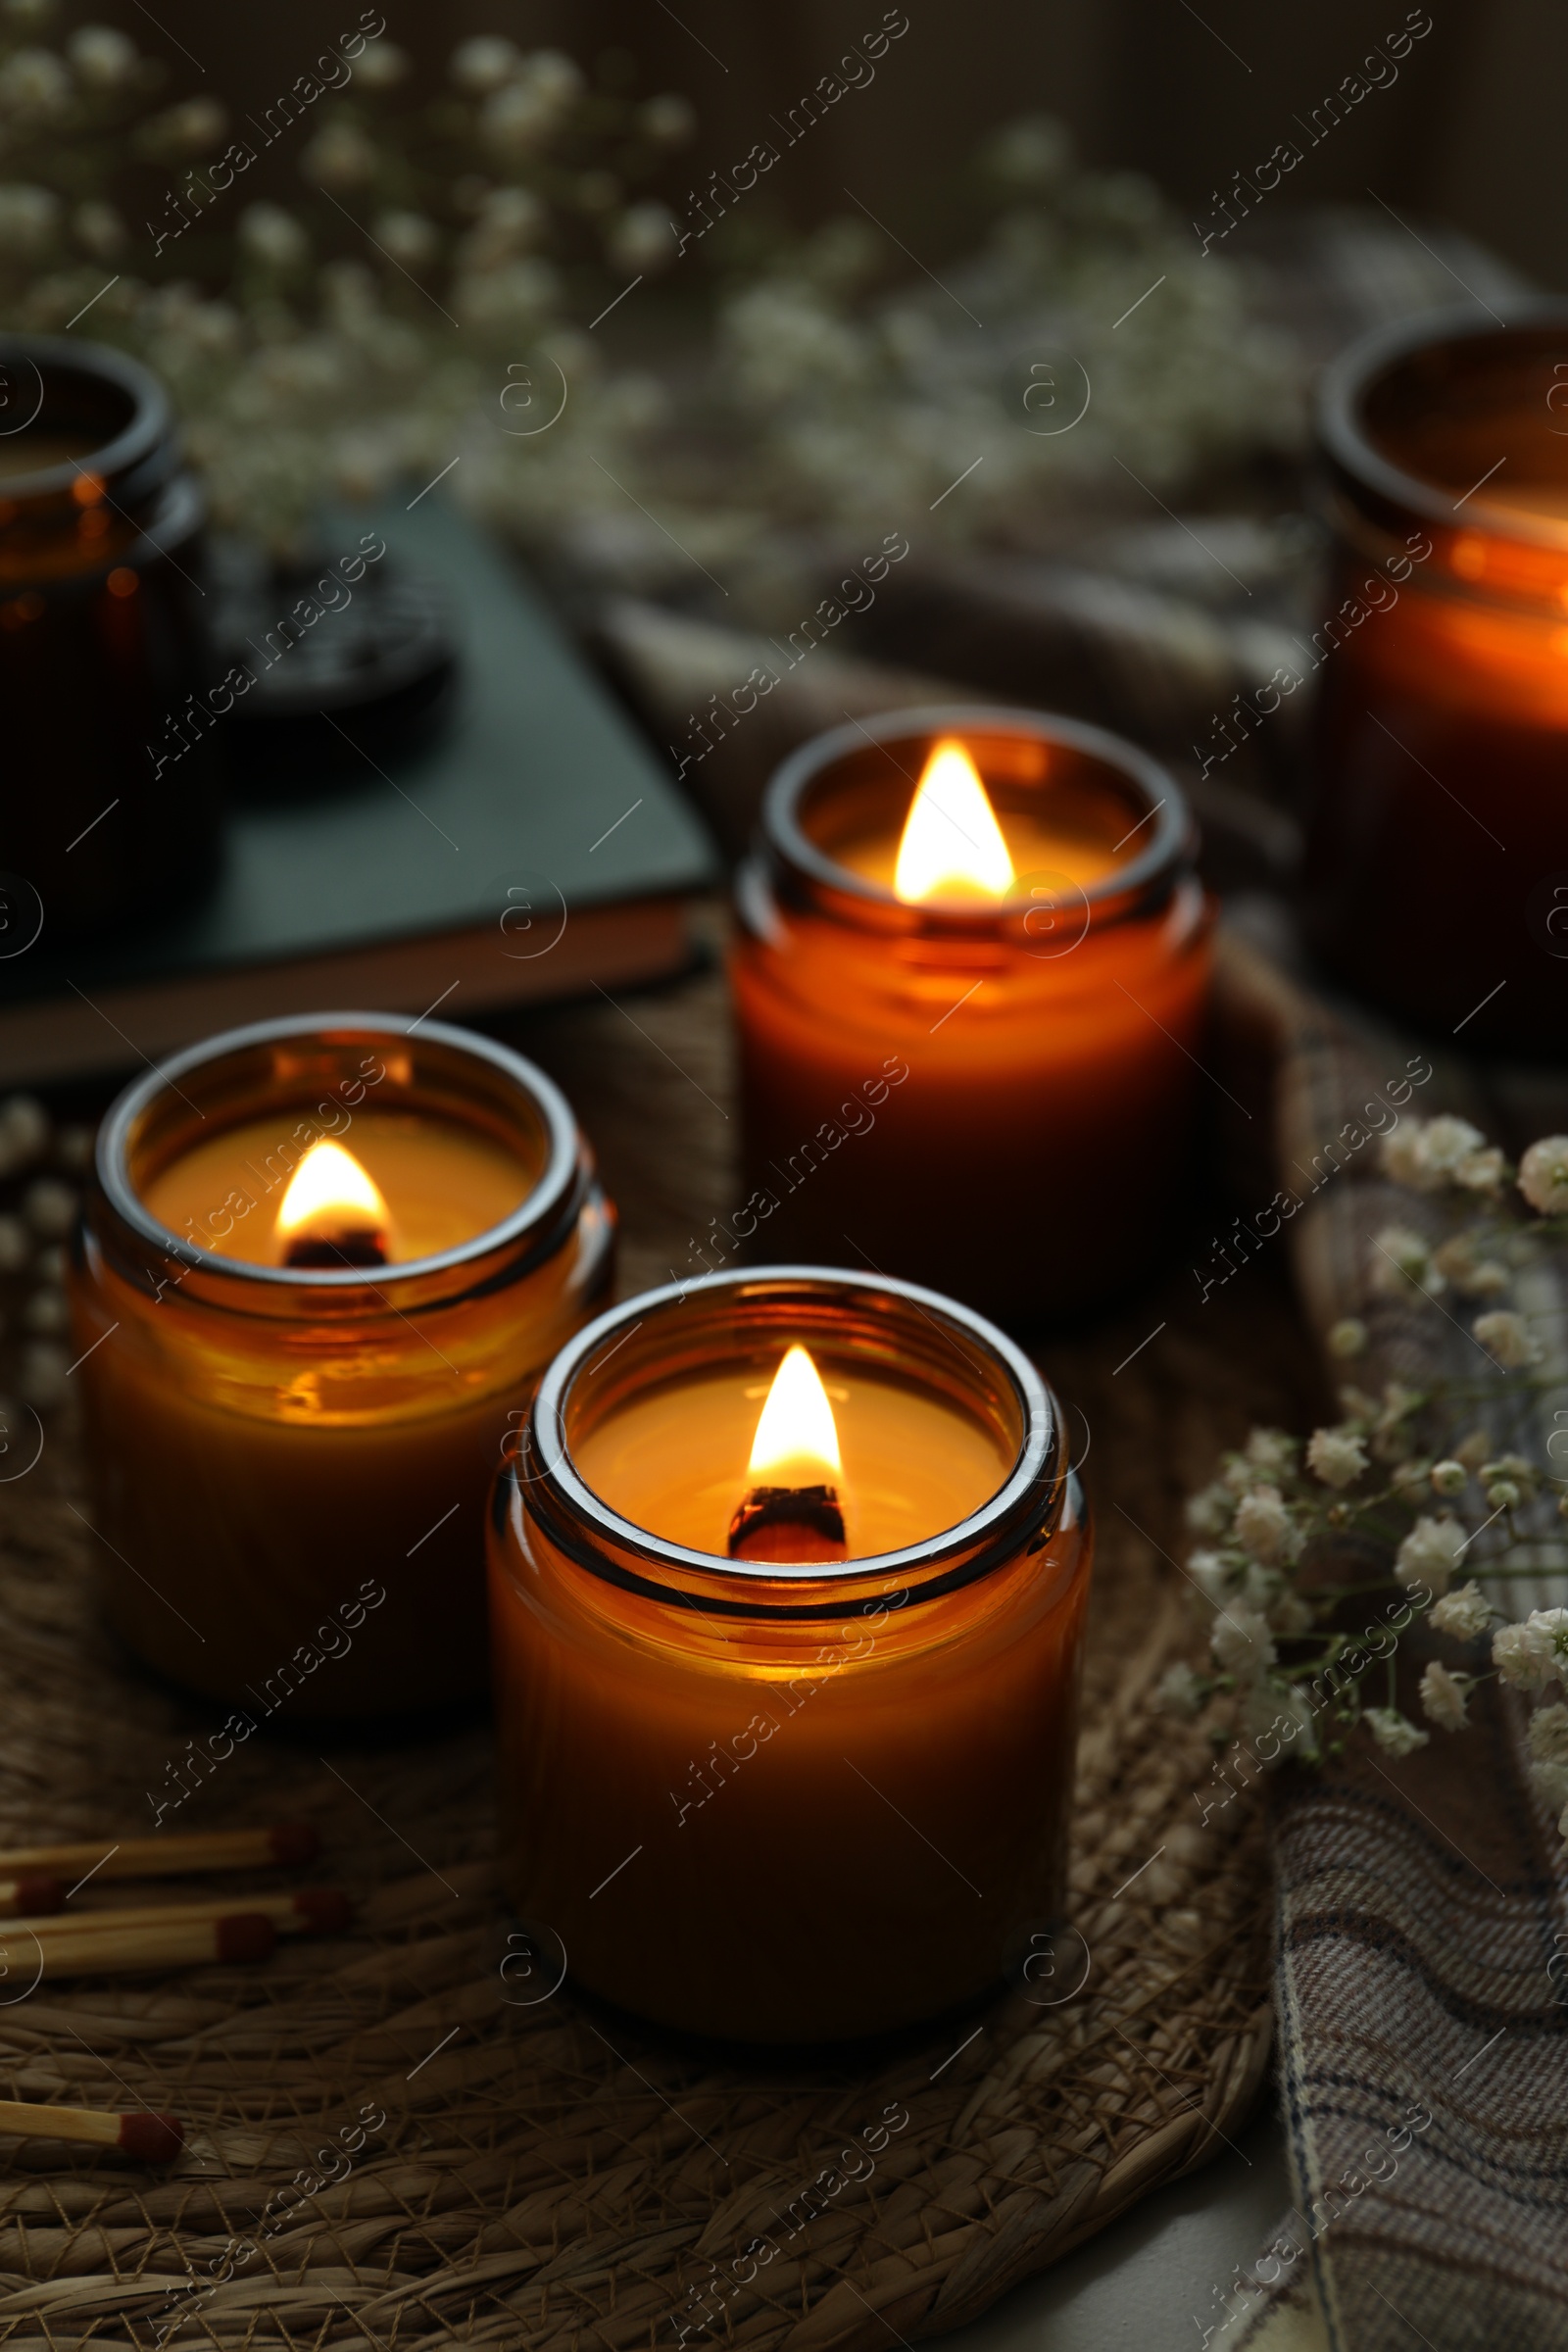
x=532, y=1231
x=1026, y=1507
x=1156, y=800
x=1350, y=450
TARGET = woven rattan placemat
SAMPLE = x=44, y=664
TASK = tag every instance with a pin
x=468, y=2169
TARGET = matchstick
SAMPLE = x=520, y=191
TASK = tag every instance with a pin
x=154, y=2138
x=32, y=1892
x=29, y=1957
x=180, y=1852
x=313, y=1911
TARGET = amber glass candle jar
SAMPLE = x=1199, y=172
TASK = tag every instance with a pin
x=102, y=640
x=1436, y=877
x=787, y=1736
x=956, y=1075
x=322, y=1262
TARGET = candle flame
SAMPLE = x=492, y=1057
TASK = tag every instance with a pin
x=327, y=1191
x=951, y=845
x=796, y=1429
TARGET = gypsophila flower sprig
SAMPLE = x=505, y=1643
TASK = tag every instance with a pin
x=421, y=280
x=1312, y=1559
x=420, y=294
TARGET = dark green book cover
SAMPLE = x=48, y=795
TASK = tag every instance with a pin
x=531, y=844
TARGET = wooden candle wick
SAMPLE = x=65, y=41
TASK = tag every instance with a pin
x=797, y=1524
x=153, y=2138
x=347, y=1245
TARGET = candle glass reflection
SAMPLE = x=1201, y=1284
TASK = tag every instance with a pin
x=1437, y=875
x=970, y=974
x=818, y=1788
x=285, y=1423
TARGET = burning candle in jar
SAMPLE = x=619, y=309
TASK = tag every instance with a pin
x=323, y=1260
x=787, y=1584
x=970, y=974
x=1437, y=871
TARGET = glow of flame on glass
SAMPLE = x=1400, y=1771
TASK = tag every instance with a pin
x=796, y=1431
x=330, y=1190
x=951, y=845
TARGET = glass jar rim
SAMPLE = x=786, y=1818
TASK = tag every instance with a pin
x=954, y=1556
x=536, y=1218
x=148, y=426
x=1169, y=849
x=1350, y=378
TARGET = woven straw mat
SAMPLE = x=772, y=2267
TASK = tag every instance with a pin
x=548, y=2175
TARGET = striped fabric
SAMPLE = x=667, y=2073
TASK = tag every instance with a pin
x=1424, y=2045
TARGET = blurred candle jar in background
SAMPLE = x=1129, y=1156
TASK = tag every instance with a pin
x=971, y=978
x=102, y=640
x=787, y=1583
x=323, y=1261
x=1436, y=877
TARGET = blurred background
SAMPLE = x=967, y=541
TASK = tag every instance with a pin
x=1471, y=133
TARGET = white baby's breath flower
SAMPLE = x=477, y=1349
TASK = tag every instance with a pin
x=1179, y=1691
x=520, y=117
x=1242, y=1642
x=1505, y=1336
x=50, y=1207
x=1035, y=153
x=99, y=228
x=1517, y=1470
x=1480, y=1171
x=667, y=120
x=1398, y=1152
x=382, y=65
x=1212, y=1574
x=103, y=57
x=1394, y=1732
x=1544, y=1175
x=1337, y=1456
x=1444, y=1697
x=191, y=126
x=1463, y=1613
x=1450, y=1478
x=1271, y=1452
x=28, y=217
x=1549, y=1735
x=1401, y=1263
x=1476, y=1277
x=45, y=1373
x=273, y=236
x=340, y=156
x=1410, y=1479
x=1530, y=1655
x=33, y=81
x=409, y=239
x=509, y=220
x=643, y=238
x=1263, y=1524
x=1259, y=1587
x=1443, y=1146
x=1348, y=1338
x=1549, y=1750
x=484, y=63
x=1430, y=1552
x=1208, y=1511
